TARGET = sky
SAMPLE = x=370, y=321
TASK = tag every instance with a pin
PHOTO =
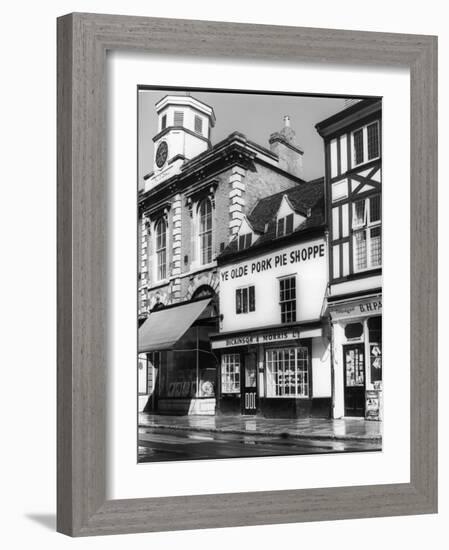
x=255, y=115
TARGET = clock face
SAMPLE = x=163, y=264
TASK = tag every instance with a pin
x=161, y=154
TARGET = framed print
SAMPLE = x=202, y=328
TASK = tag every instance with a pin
x=228, y=280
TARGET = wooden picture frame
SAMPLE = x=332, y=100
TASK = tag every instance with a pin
x=83, y=40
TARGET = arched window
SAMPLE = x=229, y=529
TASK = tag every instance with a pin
x=205, y=231
x=161, y=249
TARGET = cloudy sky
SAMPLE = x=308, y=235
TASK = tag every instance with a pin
x=255, y=115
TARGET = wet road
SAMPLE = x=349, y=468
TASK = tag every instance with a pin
x=165, y=444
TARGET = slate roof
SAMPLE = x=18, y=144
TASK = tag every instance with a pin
x=306, y=198
x=302, y=197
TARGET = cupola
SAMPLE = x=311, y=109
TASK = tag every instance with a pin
x=184, y=130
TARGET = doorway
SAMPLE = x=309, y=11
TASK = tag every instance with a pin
x=249, y=379
x=354, y=367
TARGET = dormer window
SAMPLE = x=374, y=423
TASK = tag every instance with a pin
x=198, y=125
x=244, y=241
x=178, y=119
x=284, y=225
x=164, y=122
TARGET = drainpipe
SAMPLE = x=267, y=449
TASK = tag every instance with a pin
x=332, y=368
x=197, y=364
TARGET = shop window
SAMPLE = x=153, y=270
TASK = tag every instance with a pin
x=245, y=300
x=375, y=347
x=287, y=287
x=354, y=366
x=153, y=362
x=161, y=249
x=142, y=375
x=365, y=143
x=244, y=241
x=230, y=373
x=353, y=330
x=284, y=225
x=205, y=231
x=287, y=372
x=366, y=225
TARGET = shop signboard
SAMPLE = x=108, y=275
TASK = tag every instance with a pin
x=357, y=309
x=268, y=337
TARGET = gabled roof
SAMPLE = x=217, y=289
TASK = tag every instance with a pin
x=302, y=198
x=305, y=198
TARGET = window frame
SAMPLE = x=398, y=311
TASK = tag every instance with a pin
x=365, y=145
x=178, y=114
x=197, y=120
x=161, y=222
x=282, y=301
x=283, y=222
x=366, y=227
x=273, y=386
x=236, y=379
x=204, y=233
x=246, y=238
x=250, y=299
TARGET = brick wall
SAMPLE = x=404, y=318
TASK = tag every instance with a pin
x=264, y=182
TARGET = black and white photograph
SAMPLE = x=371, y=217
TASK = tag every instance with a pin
x=259, y=274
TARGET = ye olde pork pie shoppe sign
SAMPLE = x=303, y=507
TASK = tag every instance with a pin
x=276, y=260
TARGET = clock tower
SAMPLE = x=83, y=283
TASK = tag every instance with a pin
x=184, y=131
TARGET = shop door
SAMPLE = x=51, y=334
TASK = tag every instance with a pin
x=354, y=365
x=249, y=394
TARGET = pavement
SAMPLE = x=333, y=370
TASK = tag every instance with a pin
x=346, y=429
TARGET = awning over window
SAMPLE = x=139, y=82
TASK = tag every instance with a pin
x=164, y=328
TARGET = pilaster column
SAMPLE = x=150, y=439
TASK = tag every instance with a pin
x=176, y=247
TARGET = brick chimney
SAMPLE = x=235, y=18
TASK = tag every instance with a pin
x=284, y=145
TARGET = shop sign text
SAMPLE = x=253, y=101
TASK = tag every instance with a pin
x=266, y=338
x=358, y=310
x=303, y=254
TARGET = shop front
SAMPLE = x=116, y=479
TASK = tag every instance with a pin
x=357, y=350
x=182, y=367
x=277, y=372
